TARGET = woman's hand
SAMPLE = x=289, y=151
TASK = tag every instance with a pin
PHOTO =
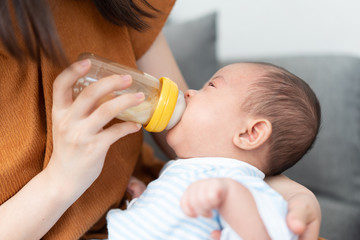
x=80, y=140
x=304, y=214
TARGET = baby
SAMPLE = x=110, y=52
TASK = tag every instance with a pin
x=249, y=121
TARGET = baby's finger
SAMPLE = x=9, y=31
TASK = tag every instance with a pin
x=62, y=88
x=97, y=93
x=185, y=205
x=207, y=213
x=203, y=204
x=110, y=109
x=216, y=235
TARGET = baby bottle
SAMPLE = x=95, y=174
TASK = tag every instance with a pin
x=164, y=103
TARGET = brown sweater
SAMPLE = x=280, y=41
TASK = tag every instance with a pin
x=25, y=114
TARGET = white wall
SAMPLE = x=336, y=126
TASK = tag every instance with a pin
x=279, y=27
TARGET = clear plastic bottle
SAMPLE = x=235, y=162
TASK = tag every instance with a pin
x=164, y=103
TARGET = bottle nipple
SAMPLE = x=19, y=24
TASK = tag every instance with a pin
x=178, y=111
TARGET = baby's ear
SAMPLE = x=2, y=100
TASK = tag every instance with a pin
x=253, y=135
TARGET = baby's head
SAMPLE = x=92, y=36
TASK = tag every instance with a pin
x=254, y=112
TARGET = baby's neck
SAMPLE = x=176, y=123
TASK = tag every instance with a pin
x=256, y=158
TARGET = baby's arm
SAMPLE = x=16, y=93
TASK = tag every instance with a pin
x=233, y=201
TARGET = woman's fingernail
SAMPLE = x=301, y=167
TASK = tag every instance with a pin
x=126, y=78
x=140, y=96
x=138, y=125
x=84, y=63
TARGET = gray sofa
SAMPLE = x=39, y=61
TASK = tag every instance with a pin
x=332, y=168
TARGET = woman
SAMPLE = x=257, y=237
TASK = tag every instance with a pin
x=55, y=181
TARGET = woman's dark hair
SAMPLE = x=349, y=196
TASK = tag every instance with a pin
x=35, y=24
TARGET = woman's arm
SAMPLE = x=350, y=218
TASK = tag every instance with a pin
x=159, y=62
x=32, y=211
x=304, y=215
x=79, y=147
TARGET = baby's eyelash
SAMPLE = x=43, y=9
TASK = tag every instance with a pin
x=211, y=84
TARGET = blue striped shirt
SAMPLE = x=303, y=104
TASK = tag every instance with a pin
x=156, y=214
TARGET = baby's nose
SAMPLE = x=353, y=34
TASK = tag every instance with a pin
x=189, y=93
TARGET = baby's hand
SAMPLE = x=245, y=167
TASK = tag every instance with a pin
x=135, y=187
x=201, y=197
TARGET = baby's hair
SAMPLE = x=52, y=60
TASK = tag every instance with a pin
x=293, y=110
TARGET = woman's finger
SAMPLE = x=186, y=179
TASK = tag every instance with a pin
x=302, y=220
x=311, y=231
x=117, y=131
x=296, y=222
x=62, y=89
x=99, y=92
x=110, y=109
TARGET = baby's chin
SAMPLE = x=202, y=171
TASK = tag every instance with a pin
x=169, y=137
x=179, y=155
x=171, y=134
x=173, y=142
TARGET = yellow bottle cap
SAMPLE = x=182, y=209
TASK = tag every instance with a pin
x=165, y=106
